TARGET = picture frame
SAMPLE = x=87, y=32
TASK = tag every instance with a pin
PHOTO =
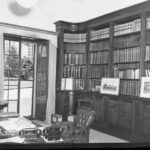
x=145, y=87
x=110, y=86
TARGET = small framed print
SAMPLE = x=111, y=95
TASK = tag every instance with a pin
x=110, y=86
x=145, y=87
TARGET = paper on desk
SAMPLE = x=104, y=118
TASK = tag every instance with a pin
x=13, y=139
x=16, y=124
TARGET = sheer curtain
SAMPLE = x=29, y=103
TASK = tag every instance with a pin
x=51, y=83
x=1, y=69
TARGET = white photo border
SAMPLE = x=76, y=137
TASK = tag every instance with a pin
x=110, y=86
x=145, y=87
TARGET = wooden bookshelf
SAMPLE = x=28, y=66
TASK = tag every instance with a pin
x=116, y=45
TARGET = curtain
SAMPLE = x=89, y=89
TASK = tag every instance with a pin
x=1, y=69
x=50, y=109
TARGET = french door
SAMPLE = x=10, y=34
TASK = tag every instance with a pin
x=41, y=80
x=25, y=73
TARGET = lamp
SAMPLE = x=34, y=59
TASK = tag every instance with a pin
x=27, y=3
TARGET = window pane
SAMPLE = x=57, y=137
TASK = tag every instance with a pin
x=6, y=52
x=14, y=48
x=12, y=106
x=11, y=94
x=25, y=101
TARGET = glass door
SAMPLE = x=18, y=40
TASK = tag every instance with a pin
x=41, y=80
x=26, y=77
x=25, y=91
x=11, y=74
x=19, y=74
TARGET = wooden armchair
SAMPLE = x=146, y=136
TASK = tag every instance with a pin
x=78, y=131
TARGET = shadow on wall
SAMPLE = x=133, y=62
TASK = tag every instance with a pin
x=18, y=10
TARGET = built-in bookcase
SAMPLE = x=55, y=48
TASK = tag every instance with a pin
x=126, y=56
x=98, y=57
x=147, y=53
x=74, y=67
x=116, y=45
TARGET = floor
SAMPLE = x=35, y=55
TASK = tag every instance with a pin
x=99, y=137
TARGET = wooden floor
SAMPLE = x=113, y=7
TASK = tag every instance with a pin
x=100, y=137
x=123, y=134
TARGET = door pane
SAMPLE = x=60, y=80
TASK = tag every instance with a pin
x=41, y=81
x=26, y=77
x=11, y=74
x=12, y=107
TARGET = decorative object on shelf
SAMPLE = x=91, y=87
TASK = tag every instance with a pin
x=145, y=87
x=110, y=86
x=55, y=118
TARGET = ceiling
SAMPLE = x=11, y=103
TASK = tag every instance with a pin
x=46, y=12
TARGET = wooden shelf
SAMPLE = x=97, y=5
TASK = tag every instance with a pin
x=123, y=111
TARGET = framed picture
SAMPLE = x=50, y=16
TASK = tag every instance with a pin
x=110, y=86
x=145, y=87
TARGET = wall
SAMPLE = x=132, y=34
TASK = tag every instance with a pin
x=34, y=33
x=44, y=14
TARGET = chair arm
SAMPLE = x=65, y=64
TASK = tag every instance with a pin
x=81, y=131
x=67, y=127
x=65, y=124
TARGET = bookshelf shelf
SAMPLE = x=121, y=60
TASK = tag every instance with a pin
x=127, y=34
x=103, y=64
x=100, y=40
x=116, y=45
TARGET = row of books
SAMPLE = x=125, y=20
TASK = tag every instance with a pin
x=147, y=53
x=75, y=38
x=128, y=27
x=131, y=88
x=99, y=34
x=147, y=72
x=128, y=74
x=126, y=66
x=72, y=84
x=74, y=72
x=128, y=41
x=75, y=59
x=148, y=23
x=98, y=46
x=98, y=71
x=99, y=58
x=75, y=48
x=127, y=87
x=94, y=85
x=126, y=55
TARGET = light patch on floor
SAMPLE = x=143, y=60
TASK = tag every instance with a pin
x=99, y=137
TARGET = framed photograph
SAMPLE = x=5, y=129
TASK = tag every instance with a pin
x=145, y=87
x=110, y=86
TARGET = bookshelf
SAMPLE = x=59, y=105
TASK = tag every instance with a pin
x=74, y=67
x=126, y=56
x=116, y=45
x=98, y=57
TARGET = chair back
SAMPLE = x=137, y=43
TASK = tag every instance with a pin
x=85, y=116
